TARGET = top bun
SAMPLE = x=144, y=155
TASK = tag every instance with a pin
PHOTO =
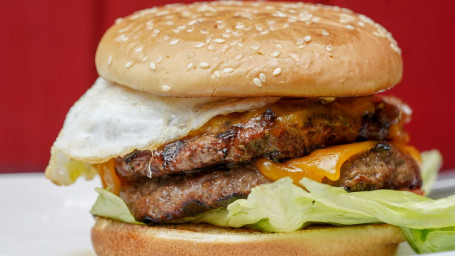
x=243, y=49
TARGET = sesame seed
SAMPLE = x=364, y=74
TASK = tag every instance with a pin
x=190, y=29
x=257, y=82
x=159, y=59
x=265, y=32
x=316, y=19
x=307, y=38
x=239, y=26
x=300, y=41
x=211, y=47
x=395, y=47
x=109, y=60
x=138, y=49
x=301, y=46
x=208, y=40
x=259, y=28
x=366, y=19
x=238, y=56
x=279, y=14
x=345, y=18
x=325, y=33
x=217, y=73
x=275, y=54
x=189, y=66
x=292, y=19
x=305, y=16
x=254, y=47
x=278, y=46
x=263, y=77
x=199, y=45
x=174, y=42
x=165, y=88
x=225, y=35
x=129, y=64
x=228, y=70
x=166, y=37
x=236, y=33
x=162, y=13
x=152, y=65
x=204, y=31
x=123, y=30
x=276, y=71
x=219, y=40
x=170, y=23
x=204, y=65
x=329, y=48
x=350, y=27
x=122, y=37
x=145, y=58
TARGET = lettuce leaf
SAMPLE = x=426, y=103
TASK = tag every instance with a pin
x=283, y=207
x=399, y=208
x=430, y=240
x=431, y=163
x=111, y=206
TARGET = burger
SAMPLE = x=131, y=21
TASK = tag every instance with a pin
x=230, y=128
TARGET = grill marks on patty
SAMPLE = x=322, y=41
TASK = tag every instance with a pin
x=186, y=194
x=175, y=196
x=287, y=129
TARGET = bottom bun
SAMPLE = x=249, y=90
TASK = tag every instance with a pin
x=111, y=237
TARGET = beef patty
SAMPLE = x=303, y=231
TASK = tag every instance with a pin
x=174, y=196
x=287, y=129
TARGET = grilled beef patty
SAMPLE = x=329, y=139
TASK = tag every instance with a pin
x=287, y=129
x=174, y=196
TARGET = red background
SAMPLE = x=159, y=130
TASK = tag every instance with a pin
x=47, y=62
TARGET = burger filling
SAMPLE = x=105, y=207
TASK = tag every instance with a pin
x=231, y=154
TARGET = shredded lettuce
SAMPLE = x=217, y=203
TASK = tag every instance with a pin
x=429, y=225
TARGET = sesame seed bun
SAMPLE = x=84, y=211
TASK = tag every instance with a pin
x=240, y=49
x=115, y=238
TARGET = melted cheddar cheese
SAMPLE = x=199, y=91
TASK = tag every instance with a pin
x=320, y=163
x=109, y=177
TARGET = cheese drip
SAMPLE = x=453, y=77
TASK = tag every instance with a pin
x=109, y=177
x=320, y=163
